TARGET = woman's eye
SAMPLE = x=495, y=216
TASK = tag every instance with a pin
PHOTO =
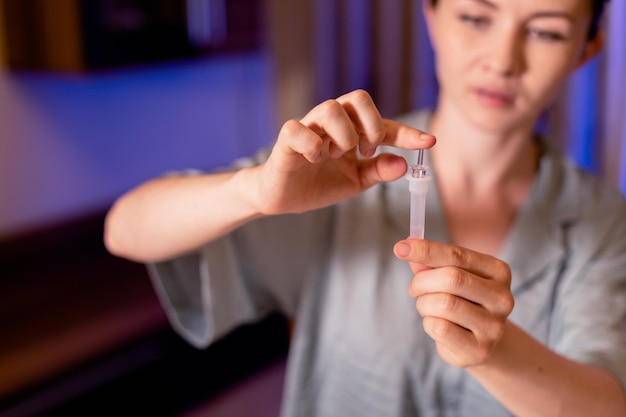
x=477, y=21
x=545, y=35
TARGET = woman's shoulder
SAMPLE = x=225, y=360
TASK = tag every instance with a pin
x=591, y=201
x=588, y=187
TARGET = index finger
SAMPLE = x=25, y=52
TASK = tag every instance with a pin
x=400, y=135
x=366, y=118
x=373, y=130
x=439, y=254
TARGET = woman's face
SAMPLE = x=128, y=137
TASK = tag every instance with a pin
x=500, y=62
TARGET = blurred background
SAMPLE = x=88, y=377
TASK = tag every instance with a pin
x=97, y=96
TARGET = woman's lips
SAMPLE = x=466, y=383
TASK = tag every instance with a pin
x=494, y=98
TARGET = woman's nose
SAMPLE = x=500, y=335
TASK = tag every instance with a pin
x=505, y=54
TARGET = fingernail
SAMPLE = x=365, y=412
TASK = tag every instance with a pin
x=317, y=157
x=366, y=153
x=426, y=136
x=336, y=153
x=403, y=249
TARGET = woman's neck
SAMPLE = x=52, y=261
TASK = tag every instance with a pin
x=484, y=160
x=483, y=176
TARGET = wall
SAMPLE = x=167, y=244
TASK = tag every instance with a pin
x=70, y=144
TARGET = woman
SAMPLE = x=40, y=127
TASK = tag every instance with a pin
x=520, y=284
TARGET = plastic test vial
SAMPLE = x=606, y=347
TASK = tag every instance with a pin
x=418, y=177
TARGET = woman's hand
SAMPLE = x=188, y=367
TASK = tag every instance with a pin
x=464, y=297
x=314, y=162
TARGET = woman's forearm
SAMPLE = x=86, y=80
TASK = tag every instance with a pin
x=169, y=216
x=533, y=381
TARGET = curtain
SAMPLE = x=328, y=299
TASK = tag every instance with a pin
x=612, y=96
x=324, y=48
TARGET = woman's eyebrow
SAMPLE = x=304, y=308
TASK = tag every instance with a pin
x=564, y=15
x=487, y=3
x=547, y=13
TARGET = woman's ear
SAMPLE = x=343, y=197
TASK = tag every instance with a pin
x=591, y=49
